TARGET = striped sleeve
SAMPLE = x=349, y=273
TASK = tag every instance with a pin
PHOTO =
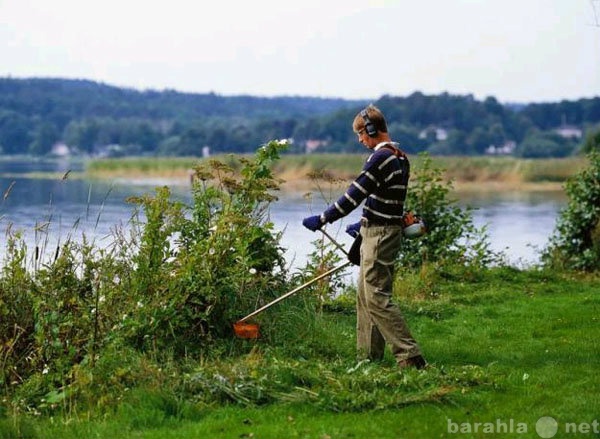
x=364, y=185
x=382, y=183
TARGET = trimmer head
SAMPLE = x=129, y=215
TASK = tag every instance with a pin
x=246, y=330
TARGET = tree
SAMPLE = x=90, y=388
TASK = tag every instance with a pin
x=82, y=134
x=497, y=135
x=592, y=142
x=455, y=144
x=479, y=140
x=544, y=144
x=88, y=115
x=407, y=137
x=46, y=135
x=14, y=132
x=169, y=146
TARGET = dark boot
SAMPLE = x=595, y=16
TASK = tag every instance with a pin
x=417, y=362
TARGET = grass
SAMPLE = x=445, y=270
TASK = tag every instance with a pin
x=296, y=168
x=503, y=345
x=465, y=172
x=494, y=168
x=175, y=167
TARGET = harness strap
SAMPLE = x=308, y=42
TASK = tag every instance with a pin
x=396, y=151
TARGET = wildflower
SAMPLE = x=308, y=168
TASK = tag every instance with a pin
x=140, y=304
x=211, y=251
x=252, y=270
x=282, y=142
x=45, y=370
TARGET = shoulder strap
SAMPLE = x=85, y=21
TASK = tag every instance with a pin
x=400, y=155
x=396, y=151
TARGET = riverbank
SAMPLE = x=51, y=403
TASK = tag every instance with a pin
x=506, y=348
x=133, y=338
x=298, y=172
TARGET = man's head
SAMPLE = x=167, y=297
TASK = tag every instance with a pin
x=370, y=126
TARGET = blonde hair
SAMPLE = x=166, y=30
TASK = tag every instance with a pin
x=375, y=116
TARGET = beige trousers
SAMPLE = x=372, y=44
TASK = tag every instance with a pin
x=379, y=320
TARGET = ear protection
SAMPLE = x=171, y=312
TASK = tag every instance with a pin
x=369, y=126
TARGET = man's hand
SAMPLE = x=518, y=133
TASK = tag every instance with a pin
x=313, y=223
x=353, y=229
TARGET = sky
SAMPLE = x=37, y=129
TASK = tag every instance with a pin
x=518, y=51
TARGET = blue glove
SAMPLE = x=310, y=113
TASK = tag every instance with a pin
x=353, y=229
x=313, y=223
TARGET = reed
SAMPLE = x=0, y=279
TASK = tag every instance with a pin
x=482, y=169
x=136, y=166
x=295, y=169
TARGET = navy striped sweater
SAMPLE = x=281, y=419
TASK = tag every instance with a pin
x=382, y=182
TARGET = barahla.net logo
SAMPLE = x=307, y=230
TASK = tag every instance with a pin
x=546, y=427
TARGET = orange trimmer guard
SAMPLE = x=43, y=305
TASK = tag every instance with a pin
x=246, y=330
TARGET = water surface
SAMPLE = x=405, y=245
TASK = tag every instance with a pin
x=519, y=223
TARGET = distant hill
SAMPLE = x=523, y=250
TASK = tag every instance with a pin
x=52, y=97
x=36, y=114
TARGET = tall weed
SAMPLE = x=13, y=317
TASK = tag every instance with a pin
x=174, y=284
x=201, y=267
x=17, y=324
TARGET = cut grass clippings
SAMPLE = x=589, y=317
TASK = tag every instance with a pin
x=506, y=347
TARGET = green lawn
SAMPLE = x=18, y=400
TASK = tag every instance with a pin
x=505, y=347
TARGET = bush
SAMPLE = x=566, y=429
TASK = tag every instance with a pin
x=176, y=284
x=575, y=243
x=451, y=235
x=226, y=260
x=16, y=313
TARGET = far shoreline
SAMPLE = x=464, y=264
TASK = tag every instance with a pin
x=464, y=174
x=308, y=185
x=476, y=174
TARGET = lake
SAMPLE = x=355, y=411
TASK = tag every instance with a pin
x=519, y=223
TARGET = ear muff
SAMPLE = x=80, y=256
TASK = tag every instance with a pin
x=369, y=126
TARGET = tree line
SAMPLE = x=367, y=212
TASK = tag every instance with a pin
x=94, y=118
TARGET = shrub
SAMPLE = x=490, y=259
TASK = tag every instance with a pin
x=451, y=234
x=16, y=313
x=202, y=267
x=575, y=243
x=176, y=283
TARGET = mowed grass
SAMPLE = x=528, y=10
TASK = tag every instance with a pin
x=505, y=347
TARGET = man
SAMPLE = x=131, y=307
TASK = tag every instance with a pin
x=382, y=184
